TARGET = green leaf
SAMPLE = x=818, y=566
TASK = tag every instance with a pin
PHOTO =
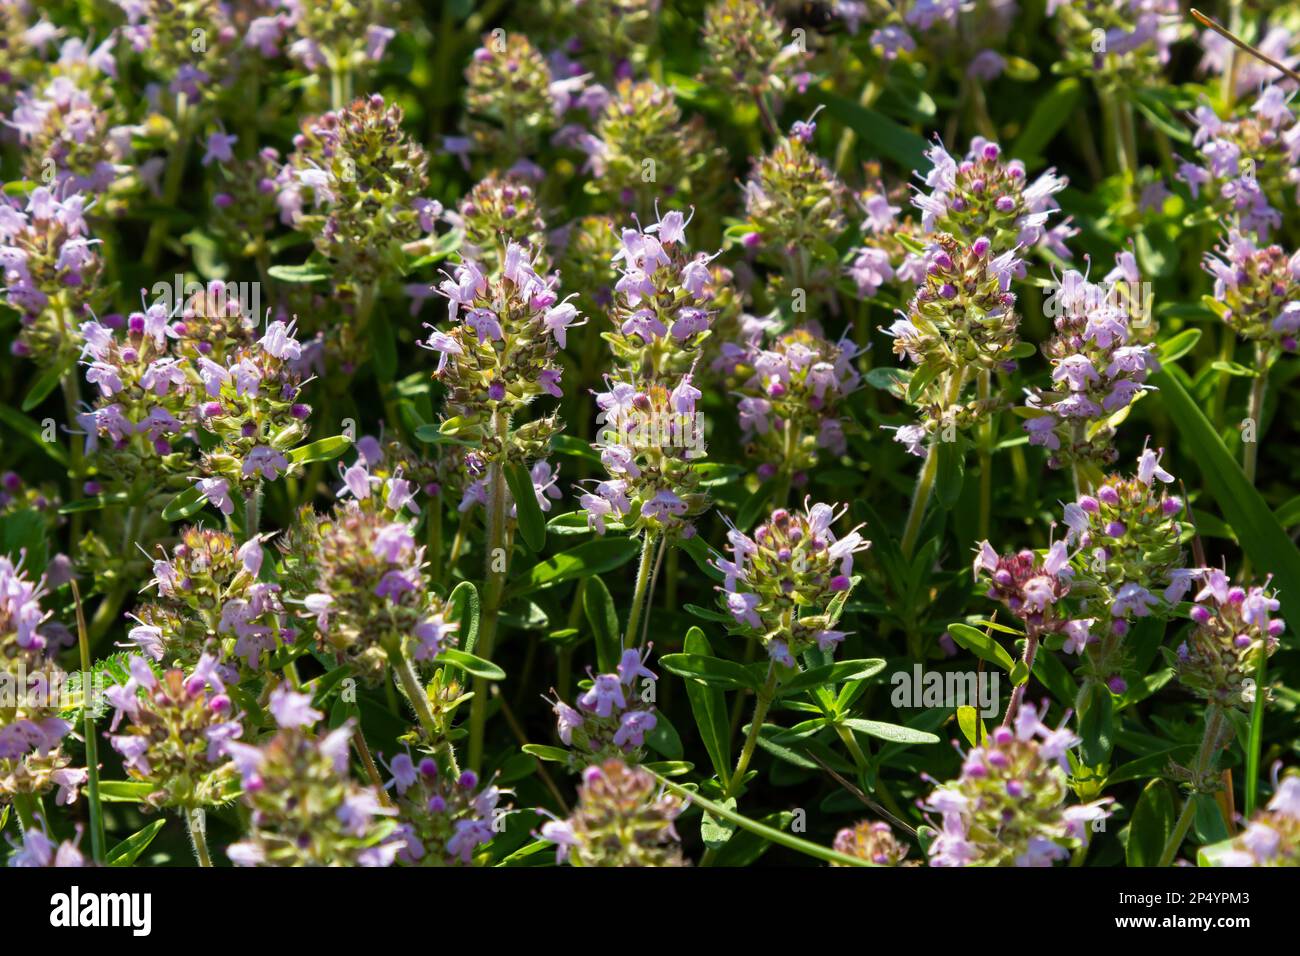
x=1176, y=346
x=463, y=608
x=1096, y=726
x=23, y=532
x=1050, y=113
x=129, y=850
x=383, y=348
x=709, y=707
x=47, y=382
x=1235, y=369
x=593, y=557
x=1261, y=535
x=753, y=506
x=326, y=449
x=717, y=831
x=894, y=733
x=830, y=675
x=968, y=720
x=981, y=645
x=780, y=837
x=472, y=664
x=951, y=472
x=546, y=752
x=307, y=272
x=532, y=526
x=713, y=671
x=82, y=505
x=1152, y=825
x=886, y=137
x=30, y=430
x=187, y=503
x=124, y=791
x=603, y=618
x=433, y=435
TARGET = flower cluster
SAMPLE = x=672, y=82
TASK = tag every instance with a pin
x=1246, y=163
x=305, y=808
x=31, y=728
x=512, y=99
x=354, y=183
x=623, y=818
x=67, y=124
x=1231, y=629
x=795, y=210
x=663, y=300
x=873, y=842
x=1029, y=585
x=442, y=821
x=1100, y=365
x=211, y=603
x=1008, y=807
x=499, y=210
x=365, y=571
x=1134, y=44
x=987, y=196
x=188, y=44
x=649, y=441
x=51, y=268
x=642, y=148
x=650, y=434
x=1272, y=838
x=501, y=354
x=201, y=375
x=961, y=321
x=178, y=731
x=609, y=720
x=1257, y=292
x=749, y=51
x=791, y=391
x=789, y=581
x=338, y=37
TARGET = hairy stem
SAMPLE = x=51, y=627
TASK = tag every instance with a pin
x=761, y=704
x=642, y=586
x=1205, y=757
x=1254, y=414
x=194, y=819
x=495, y=587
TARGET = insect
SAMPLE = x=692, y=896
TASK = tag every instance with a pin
x=813, y=15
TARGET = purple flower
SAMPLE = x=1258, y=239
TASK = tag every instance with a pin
x=291, y=709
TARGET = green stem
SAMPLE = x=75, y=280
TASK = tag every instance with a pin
x=413, y=688
x=1018, y=694
x=770, y=834
x=1204, y=762
x=984, y=384
x=1255, y=413
x=494, y=589
x=199, y=840
x=920, y=498
x=88, y=730
x=781, y=493
x=925, y=481
x=642, y=585
x=1255, y=740
x=761, y=705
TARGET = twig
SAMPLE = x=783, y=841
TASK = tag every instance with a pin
x=1243, y=45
